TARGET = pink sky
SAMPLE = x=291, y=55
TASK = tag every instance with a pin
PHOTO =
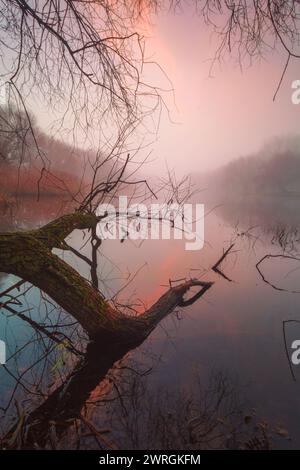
x=217, y=118
x=220, y=118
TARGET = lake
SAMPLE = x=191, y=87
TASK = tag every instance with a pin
x=228, y=347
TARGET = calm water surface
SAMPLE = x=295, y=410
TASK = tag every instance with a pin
x=237, y=327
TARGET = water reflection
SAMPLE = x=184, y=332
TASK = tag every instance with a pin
x=237, y=328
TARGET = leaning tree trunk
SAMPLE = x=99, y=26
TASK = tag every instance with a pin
x=29, y=256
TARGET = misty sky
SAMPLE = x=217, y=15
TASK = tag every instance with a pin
x=223, y=117
x=218, y=118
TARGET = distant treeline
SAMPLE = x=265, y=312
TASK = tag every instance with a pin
x=275, y=169
x=25, y=150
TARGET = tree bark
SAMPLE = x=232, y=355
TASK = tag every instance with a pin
x=29, y=256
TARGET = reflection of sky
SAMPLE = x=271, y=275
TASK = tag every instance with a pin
x=16, y=333
x=236, y=326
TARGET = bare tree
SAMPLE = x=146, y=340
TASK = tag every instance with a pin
x=87, y=58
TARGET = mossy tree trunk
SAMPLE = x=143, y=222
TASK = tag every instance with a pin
x=29, y=255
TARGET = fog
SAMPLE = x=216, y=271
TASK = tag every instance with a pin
x=214, y=114
x=223, y=116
